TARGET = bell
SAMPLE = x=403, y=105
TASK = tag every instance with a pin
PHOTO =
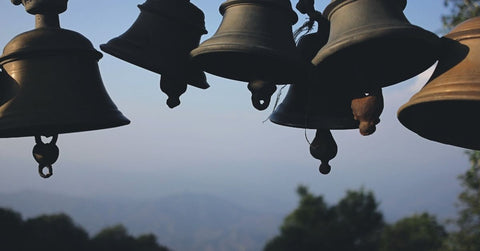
x=444, y=110
x=160, y=40
x=57, y=79
x=311, y=105
x=254, y=42
x=373, y=45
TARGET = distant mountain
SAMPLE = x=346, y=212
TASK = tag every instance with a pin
x=185, y=222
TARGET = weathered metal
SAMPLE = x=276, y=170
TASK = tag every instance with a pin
x=367, y=109
x=160, y=40
x=57, y=87
x=253, y=42
x=445, y=109
x=372, y=45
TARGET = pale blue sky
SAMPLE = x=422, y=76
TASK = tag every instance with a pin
x=215, y=141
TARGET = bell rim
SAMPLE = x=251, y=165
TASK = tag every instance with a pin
x=287, y=61
x=297, y=121
x=331, y=48
x=115, y=117
x=429, y=44
x=411, y=116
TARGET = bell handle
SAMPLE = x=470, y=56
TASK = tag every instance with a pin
x=45, y=11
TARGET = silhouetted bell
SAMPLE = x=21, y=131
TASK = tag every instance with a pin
x=160, y=40
x=445, y=110
x=254, y=42
x=58, y=88
x=373, y=45
x=311, y=105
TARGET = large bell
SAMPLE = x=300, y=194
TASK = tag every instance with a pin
x=160, y=40
x=58, y=84
x=373, y=45
x=444, y=110
x=254, y=42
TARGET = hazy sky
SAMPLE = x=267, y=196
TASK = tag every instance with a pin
x=215, y=142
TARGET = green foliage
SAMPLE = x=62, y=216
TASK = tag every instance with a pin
x=467, y=238
x=353, y=224
x=416, y=233
x=460, y=10
x=59, y=233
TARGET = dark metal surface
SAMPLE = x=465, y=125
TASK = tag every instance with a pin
x=254, y=42
x=373, y=45
x=58, y=83
x=160, y=40
x=446, y=109
x=311, y=104
x=324, y=148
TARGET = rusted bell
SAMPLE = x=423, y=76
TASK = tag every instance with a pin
x=373, y=45
x=367, y=109
x=58, y=88
x=445, y=109
x=160, y=40
x=254, y=42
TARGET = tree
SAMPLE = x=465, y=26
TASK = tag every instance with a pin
x=353, y=224
x=55, y=233
x=467, y=238
x=416, y=233
x=11, y=225
x=460, y=10
x=116, y=238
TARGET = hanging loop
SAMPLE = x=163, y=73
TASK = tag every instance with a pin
x=45, y=175
x=45, y=154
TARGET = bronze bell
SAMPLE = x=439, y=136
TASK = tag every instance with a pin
x=254, y=42
x=373, y=45
x=312, y=106
x=160, y=40
x=58, y=84
x=444, y=110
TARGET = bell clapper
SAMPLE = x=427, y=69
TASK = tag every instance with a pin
x=367, y=110
x=262, y=92
x=173, y=87
x=324, y=148
x=45, y=154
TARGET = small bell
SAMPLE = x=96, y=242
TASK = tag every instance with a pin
x=53, y=76
x=324, y=148
x=367, y=110
x=160, y=40
x=445, y=109
x=372, y=45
